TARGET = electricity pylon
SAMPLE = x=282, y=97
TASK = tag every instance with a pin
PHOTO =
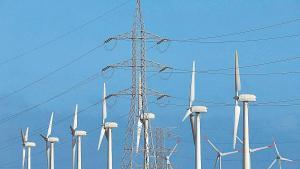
x=138, y=64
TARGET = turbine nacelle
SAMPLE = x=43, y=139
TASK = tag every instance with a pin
x=110, y=125
x=247, y=98
x=30, y=144
x=147, y=116
x=53, y=139
x=80, y=133
x=198, y=109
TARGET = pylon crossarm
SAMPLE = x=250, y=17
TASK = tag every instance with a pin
x=157, y=94
x=125, y=36
x=124, y=92
x=125, y=63
x=160, y=67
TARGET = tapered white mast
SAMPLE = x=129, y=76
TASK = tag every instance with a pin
x=50, y=141
x=246, y=98
x=194, y=113
x=76, y=141
x=106, y=129
x=28, y=145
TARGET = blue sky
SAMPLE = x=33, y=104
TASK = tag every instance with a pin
x=27, y=25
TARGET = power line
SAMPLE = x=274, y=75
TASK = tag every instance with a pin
x=77, y=28
x=248, y=30
x=236, y=41
x=50, y=73
x=13, y=115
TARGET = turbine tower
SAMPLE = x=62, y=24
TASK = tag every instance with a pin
x=106, y=129
x=169, y=165
x=237, y=109
x=194, y=112
x=50, y=141
x=26, y=145
x=220, y=154
x=76, y=140
x=246, y=98
x=278, y=158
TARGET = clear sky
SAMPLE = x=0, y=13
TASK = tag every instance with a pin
x=38, y=37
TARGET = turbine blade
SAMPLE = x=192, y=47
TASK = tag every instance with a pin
x=50, y=126
x=174, y=148
x=138, y=134
x=229, y=153
x=23, y=157
x=213, y=146
x=75, y=120
x=237, y=73
x=286, y=159
x=272, y=164
x=192, y=121
x=102, y=132
x=239, y=139
x=26, y=134
x=188, y=112
x=104, y=109
x=237, y=111
x=216, y=161
x=73, y=152
x=22, y=136
x=259, y=149
x=277, y=152
x=192, y=89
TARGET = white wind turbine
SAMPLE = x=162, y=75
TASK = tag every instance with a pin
x=143, y=121
x=76, y=140
x=246, y=98
x=237, y=108
x=278, y=158
x=169, y=165
x=220, y=154
x=106, y=129
x=26, y=144
x=194, y=113
x=50, y=141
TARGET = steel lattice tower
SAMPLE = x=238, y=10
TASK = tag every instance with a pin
x=138, y=64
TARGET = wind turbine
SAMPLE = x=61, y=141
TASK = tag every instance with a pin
x=278, y=158
x=143, y=121
x=246, y=98
x=237, y=109
x=220, y=154
x=194, y=113
x=26, y=144
x=76, y=140
x=169, y=165
x=50, y=141
x=106, y=129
